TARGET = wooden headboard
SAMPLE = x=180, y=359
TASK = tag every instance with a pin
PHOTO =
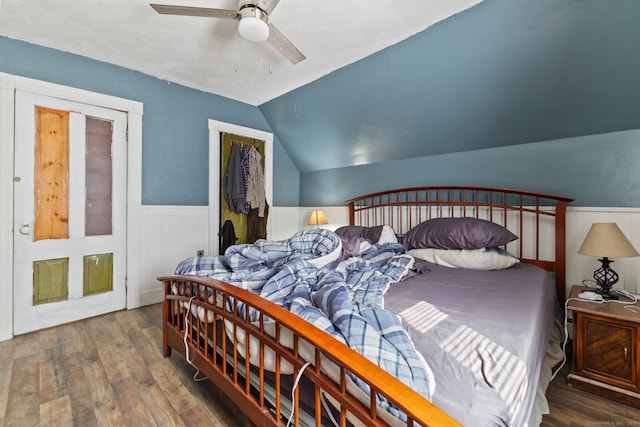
x=537, y=219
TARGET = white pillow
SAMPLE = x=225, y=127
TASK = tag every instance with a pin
x=364, y=246
x=476, y=259
x=387, y=235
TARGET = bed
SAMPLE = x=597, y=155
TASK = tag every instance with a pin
x=447, y=339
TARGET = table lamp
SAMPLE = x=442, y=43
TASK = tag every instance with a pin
x=606, y=240
x=317, y=217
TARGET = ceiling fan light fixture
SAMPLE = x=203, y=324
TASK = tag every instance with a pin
x=253, y=24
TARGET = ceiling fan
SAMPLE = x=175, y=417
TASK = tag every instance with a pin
x=253, y=25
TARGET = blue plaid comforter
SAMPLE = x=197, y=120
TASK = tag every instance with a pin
x=344, y=298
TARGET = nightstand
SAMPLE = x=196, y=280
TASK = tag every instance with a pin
x=606, y=358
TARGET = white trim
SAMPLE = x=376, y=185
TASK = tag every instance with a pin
x=77, y=95
x=134, y=110
x=215, y=128
x=134, y=204
x=7, y=91
x=603, y=209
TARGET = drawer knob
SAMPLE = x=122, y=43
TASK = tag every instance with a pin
x=626, y=353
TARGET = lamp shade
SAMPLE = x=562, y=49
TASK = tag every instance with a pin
x=607, y=240
x=317, y=217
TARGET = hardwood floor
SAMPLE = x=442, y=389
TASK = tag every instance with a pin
x=109, y=371
x=104, y=371
x=576, y=408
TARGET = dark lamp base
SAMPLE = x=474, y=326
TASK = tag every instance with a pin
x=606, y=294
x=605, y=277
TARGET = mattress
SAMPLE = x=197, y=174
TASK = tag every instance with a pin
x=484, y=334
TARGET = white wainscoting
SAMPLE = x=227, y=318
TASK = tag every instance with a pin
x=169, y=234
x=581, y=267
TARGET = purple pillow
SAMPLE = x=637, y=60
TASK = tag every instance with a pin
x=372, y=234
x=457, y=233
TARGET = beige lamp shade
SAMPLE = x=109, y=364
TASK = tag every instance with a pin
x=607, y=240
x=317, y=217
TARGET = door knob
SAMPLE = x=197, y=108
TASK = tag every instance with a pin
x=25, y=229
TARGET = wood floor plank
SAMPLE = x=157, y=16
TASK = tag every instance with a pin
x=112, y=355
x=194, y=417
x=23, y=403
x=82, y=404
x=169, y=381
x=212, y=401
x=154, y=335
x=48, y=338
x=135, y=363
x=72, y=338
x=133, y=319
x=7, y=351
x=145, y=348
x=56, y=413
x=53, y=376
x=159, y=405
x=27, y=345
x=101, y=393
x=148, y=350
x=576, y=408
x=131, y=403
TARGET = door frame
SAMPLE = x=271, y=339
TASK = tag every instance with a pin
x=215, y=128
x=134, y=109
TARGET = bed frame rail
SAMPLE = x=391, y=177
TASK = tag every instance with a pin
x=200, y=338
x=537, y=219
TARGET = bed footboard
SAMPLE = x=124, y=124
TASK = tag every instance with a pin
x=251, y=362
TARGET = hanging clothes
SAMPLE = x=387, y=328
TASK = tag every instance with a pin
x=232, y=186
x=244, y=166
x=257, y=225
x=255, y=195
x=228, y=234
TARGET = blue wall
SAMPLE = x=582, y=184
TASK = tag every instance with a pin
x=595, y=170
x=175, y=135
x=502, y=73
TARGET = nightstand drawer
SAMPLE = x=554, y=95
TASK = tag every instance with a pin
x=609, y=351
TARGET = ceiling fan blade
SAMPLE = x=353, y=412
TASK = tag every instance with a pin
x=284, y=46
x=195, y=11
x=267, y=5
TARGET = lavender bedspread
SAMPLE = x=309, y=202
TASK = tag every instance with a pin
x=484, y=334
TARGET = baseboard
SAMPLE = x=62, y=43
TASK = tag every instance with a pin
x=153, y=296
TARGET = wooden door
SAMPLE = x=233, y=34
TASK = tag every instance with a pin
x=69, y=211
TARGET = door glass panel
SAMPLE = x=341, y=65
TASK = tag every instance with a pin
x=50, y=280
x=98, y=213
x=98, y=274
x=51, y=174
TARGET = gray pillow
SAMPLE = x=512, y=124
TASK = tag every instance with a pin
x=457, y=233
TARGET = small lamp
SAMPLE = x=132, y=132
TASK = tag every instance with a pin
x=317, y=217
x=606, y=240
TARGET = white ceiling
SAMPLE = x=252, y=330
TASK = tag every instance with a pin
x=207, y=53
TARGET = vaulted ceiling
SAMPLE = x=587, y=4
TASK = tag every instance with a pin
x=383, y=80
x=504, y=72
x=208, y=53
